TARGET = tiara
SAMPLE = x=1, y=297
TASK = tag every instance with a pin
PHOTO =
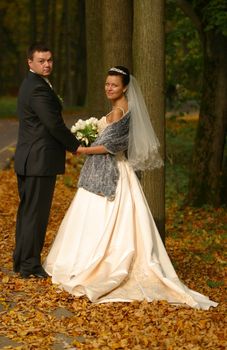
x=117, y=70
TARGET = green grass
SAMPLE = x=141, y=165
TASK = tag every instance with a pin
x=8, y=107
x=180, y=136
x=215, y=284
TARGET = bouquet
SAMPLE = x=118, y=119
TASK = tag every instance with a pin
x=86, y=131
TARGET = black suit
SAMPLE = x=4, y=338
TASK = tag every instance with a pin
x=40, y=156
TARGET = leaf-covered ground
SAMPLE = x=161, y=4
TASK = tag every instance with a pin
x=34, y=314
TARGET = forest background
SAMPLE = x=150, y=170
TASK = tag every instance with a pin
x=177, y=50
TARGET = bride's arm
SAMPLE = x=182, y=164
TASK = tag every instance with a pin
x=116, y=115
x=92, y=150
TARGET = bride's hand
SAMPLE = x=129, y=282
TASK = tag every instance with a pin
x=99, y=149
x=80, y=150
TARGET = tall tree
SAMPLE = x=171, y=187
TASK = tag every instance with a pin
x=78, y=44
x=208, y=178
x=74, y=53
x=95, y=96
x=117, y=34
x=148, y=63
x=183, y=59
x=53, y=25
x=68, y=81
x=33, y=20
x=46, y=21
x=60, y=50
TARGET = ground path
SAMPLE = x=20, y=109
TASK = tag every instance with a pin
x=8, y=138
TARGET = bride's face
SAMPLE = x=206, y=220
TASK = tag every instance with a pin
x=114, y=87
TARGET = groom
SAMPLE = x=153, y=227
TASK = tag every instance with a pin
x=40, y=155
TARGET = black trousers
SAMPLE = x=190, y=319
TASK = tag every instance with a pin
x=36, y=194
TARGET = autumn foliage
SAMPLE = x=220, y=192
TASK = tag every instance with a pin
x=35, y=314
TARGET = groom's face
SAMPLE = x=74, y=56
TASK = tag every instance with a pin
x=41, y=63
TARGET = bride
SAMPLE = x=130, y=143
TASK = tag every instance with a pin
x=108, y=247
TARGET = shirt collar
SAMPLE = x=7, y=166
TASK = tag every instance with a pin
x=46, y=79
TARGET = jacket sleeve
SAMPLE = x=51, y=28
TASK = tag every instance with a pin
x=46, y=108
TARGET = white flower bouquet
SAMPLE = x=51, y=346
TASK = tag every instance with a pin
x=86, y=131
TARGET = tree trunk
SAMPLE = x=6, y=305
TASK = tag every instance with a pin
x=54, y=40
x=148, y=63
x=78, y=44
x=68, y=35
x=207, y=184
x=95, y=95
x=53, y=25
x=46, y=22
x=206, y=181
x=224, y=181
x=60, y=57
x=117, y=35
x=33, y=21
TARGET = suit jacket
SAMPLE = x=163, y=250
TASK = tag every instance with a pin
x=43, y=136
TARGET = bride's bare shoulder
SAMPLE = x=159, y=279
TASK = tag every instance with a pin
x=118, y=113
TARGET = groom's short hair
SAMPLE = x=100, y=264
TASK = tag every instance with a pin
x=40, y=47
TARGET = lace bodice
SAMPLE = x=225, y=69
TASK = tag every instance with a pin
x=102, y=124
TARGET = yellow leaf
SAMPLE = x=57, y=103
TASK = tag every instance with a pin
x=5, y=279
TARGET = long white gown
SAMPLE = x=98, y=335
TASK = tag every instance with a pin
x=111, y=250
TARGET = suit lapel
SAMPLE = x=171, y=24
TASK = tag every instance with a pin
x=37, y=77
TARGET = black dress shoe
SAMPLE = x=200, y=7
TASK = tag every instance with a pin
x=25, y=275
x=16, y=269
x=39, y=274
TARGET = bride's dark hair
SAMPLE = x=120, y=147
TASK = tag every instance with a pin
x=122, y=71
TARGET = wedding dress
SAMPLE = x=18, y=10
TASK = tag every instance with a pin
x=111, y=251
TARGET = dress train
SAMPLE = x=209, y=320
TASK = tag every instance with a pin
x=111, y=250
